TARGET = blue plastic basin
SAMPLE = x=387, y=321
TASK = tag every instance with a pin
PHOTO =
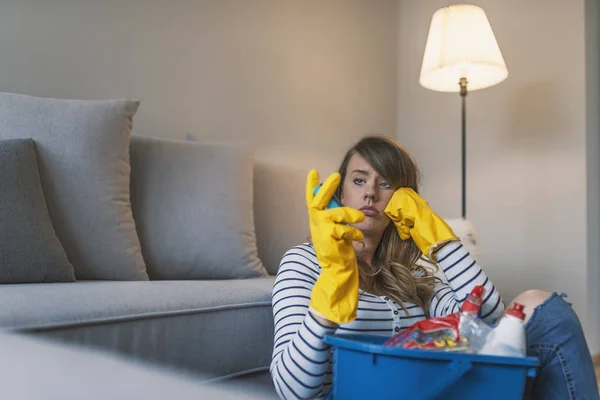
x=365, y=369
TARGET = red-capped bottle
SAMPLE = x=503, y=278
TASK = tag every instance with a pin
x=472, y=303
x=472, y=330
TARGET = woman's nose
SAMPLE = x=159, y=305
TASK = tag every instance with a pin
x=370, y=193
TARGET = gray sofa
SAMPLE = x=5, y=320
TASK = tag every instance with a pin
x=218, y=328
x=211, y=226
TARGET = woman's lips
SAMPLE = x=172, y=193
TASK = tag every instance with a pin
x=370, y=211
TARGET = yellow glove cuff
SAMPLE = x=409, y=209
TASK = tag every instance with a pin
x=431, y=235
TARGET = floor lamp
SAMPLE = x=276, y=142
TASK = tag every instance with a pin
x=461, y=55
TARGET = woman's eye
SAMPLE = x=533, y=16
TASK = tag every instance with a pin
x=358, y=181
x=385, y=185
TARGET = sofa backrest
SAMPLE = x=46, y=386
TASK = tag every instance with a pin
x=280, y=217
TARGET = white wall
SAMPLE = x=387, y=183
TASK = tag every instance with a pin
x=310, y=74
x=302, y=79
x=526, y=145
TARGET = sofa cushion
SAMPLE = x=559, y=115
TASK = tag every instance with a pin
x=83, y=155
x=220, y=328
x=29, y=249
x=279, y=210
x=192, y=203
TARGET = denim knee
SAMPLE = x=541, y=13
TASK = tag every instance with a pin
x=556, y=338
x=553, y=320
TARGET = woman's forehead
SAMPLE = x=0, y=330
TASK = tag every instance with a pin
x=358, y=165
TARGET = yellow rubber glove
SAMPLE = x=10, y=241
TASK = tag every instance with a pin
x=335, y=294
x=414, y=218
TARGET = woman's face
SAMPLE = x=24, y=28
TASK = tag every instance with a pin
x=368, y=192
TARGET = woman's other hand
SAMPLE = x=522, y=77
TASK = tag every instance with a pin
x=414, y=219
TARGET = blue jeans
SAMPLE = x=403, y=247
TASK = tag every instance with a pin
x=555, y=337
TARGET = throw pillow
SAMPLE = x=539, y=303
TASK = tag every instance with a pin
x=192, y=203
x=30, y=252
x=83, y=156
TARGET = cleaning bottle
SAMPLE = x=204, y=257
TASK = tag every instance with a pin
x=508, y=337
x=472, y=329
x=470, y=307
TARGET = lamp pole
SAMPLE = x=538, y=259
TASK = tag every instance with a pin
x=463, y=94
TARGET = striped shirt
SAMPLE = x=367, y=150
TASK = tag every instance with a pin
x=301, y=363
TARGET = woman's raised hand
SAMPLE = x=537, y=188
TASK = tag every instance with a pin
x=415, y=219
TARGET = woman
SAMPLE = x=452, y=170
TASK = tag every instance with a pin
x=369, y=269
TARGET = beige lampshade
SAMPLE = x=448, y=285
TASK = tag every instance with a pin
x=461, y=44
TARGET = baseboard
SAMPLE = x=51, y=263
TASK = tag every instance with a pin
x=596, y=359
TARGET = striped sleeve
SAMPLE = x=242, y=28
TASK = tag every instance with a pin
x=300, y=356
x=463, y=274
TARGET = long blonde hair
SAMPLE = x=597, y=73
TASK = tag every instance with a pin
x=399, y=277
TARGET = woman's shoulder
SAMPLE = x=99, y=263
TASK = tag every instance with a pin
x=305, y=248
x=301, y=258
x=424, y=261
